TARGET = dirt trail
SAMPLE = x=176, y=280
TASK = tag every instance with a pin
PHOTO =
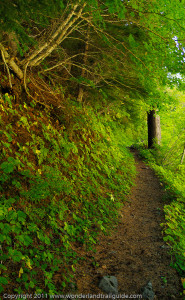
x=135, y=253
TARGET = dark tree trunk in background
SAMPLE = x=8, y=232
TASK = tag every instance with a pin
x=183, y=155
x=154, y=129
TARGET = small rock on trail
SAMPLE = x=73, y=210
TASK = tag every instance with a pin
x=135, y=251
x=109, y=285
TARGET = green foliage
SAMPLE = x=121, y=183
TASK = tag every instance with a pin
x=10, y=14
x=174, y=230
x=57, y=184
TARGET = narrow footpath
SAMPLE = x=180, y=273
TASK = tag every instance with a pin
x=135, y=252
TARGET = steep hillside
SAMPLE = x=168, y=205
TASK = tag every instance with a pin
x=62, y=182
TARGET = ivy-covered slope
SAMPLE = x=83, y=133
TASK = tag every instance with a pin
x=61, y=184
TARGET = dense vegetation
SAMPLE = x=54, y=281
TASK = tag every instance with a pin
x=168, y=162
x=77, y=81
x=58, y=184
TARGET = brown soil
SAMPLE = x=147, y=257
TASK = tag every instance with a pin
x=135, y=252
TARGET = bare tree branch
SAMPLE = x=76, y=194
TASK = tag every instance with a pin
x=11, y=63
x=4, y=60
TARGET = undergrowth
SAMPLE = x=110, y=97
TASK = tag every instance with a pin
x=61, y=184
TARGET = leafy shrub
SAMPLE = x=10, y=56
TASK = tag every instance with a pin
x=61, y=185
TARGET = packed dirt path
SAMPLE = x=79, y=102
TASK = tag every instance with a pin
x=135, y=252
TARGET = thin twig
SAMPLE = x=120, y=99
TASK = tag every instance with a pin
x=25, y=85
x=7, y=68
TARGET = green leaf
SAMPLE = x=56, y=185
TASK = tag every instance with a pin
x=7, y=167
x=15, y=255
x=32, y=284
x=47, y=240
x=12, y=216
x=132, y=41
x=3, y=280
x=43, y=238
x=122, y=12
x=32, y=227
x=2, y=238
x=25, y=239
x=6, y=229
x=61, y=5
x=3, y=267
x=16, y=228
x=9, y=137
x=24, y=120
x=21, y=216
x=132, y=14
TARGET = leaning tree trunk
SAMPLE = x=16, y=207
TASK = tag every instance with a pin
x=154, y=129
